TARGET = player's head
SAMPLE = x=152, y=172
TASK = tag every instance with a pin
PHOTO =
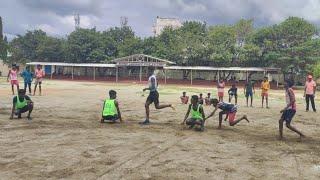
x=194, y=99
x=184, y=93
x=21, y=92
x=221, y=80
x=233, y=85
x=112, y=94
x=28, y=68
x=200, y=94
x=209, y=94
x=265, y=78
x=38, y=66
x=14, y=66
x=288, y=83
x=214, y=102
x=309, y=77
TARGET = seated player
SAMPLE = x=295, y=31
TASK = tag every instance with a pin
x=184, y=98
x=233, y=91
x=111, y=112
x=207, y=99
x=197, y=115
x=21, y=104
x=229, y=109
x=200, y=99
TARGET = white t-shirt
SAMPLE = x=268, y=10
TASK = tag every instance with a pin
x=155, y=87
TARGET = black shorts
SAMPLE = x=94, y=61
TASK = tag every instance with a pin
x=192, y=121
x=111, y=118
x=288, y=114
x=153, y=97
x=22, y=110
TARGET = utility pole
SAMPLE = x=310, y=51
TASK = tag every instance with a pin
x=1, y=29
x=76, y=21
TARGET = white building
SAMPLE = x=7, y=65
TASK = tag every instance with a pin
x=162, y=23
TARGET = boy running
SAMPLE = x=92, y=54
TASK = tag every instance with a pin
x=21, y=104
x=197, y=114
x=289, y=111
x=265, y=86
x=249, y=91
x=39, y=76
x=153, y=98
x=201, y=99
x=27, y=77
x=229, y=109
x=111, y=111
x=13, y=75
x=233, y=91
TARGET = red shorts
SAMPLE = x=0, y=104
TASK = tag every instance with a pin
x=14, y=82
x=232, y=116
x=220, y=94
x=264, y=94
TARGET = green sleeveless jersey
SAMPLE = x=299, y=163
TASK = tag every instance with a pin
x=196, y=114
x=109, y=108
x=22, y=104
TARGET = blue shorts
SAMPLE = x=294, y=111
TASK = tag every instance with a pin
x=288, y=114
x=249, y=94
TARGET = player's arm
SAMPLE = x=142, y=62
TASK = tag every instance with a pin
x=8, y=75
x=202, y=113
x=118, y=110
x=314, y=88
x=13, y=109
x=187, y=114
x=102, y=108
x=214, y=111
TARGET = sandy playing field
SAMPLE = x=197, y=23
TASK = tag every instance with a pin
x=66, y=140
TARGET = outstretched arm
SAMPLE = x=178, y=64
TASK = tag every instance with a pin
x=187, y=114
x=13, y=109
x=214, y=111
x=118, y=110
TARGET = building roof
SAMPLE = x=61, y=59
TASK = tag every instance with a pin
x=72, y=64
x=141, y=60
x=206, y=68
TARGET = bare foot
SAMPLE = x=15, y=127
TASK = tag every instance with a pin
x=246, y=118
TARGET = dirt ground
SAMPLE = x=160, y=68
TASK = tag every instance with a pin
x=66, y=141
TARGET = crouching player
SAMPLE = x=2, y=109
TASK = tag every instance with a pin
x=21, y=104
x=289, y=111
x=197, y=115
x=111, y=112
x=229, y=109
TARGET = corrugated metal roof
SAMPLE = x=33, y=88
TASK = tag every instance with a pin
x=206, y=68
x=141, y=55
x=72, y=64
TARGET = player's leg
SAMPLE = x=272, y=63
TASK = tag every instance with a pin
x=312, y=103
x=236, y=99
x=157, y=104
x=40, y=88
x=233, y=122
x=267, y=101
x=307, y=102
x=221, y=113
x=30, y=108
x=29, y=85
x=247, y=100
x=25, y=86
x=262, y=99
x=288, y=117
x=190, y=122
x=281, y=126
x=251, y=97
x=12, y=88
x=35, y=88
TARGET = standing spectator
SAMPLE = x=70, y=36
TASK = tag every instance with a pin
x=27, y=77
x=39, y=73
x=265, y=86
x=310, y=92
x=220, y=87
x=184, y=98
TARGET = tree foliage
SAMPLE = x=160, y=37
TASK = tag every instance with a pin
x=292, y=45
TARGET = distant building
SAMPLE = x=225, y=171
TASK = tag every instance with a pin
x=161, y=23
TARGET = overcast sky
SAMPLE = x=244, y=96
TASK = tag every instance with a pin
x=56, y=16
